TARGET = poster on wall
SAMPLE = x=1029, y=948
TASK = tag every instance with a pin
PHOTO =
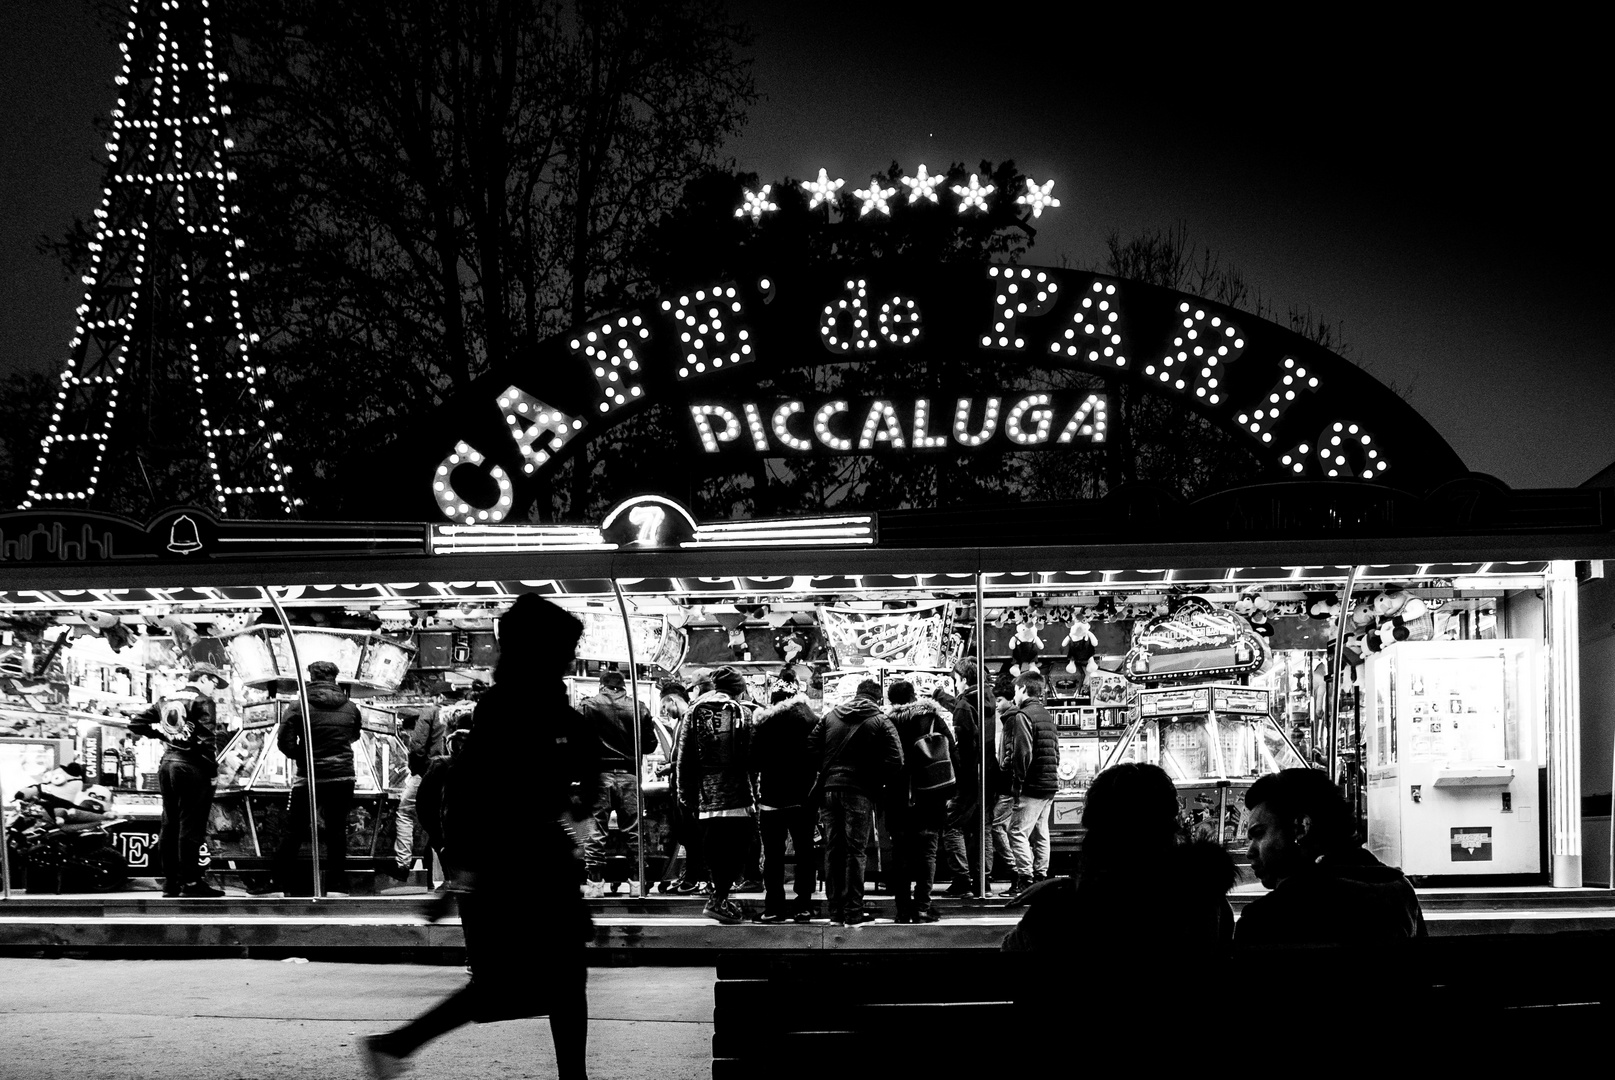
x=864, y=640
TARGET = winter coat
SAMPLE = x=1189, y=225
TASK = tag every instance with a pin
x=610, y=715
x=1182, y=898
x=525, y=921
x=193, y=739
x=967, y=732
x=780, y=756
x=913, y=722
x=1345, y=898
x=1032, y=757
x=334, y=721
x=714, y=756
x=428, y=739
x=857, y=749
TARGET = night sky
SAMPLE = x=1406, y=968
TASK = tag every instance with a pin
x=1437, y=188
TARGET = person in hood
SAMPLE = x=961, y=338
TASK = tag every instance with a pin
x=610, y=715
x=857, y=753
x=1326, y=888
x=334, y=728
x=187, y=723
x=916, y=812
x=714, y=782
x=1136, y=870
x=785, y=771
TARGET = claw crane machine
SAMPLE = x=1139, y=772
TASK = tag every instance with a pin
x=1452, y=771
x=1212, y=735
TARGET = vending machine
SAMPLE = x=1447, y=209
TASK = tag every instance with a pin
x=1453, y=734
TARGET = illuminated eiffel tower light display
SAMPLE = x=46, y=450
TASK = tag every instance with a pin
x=161, y=402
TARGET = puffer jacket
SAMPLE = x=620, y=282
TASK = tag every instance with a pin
x=913, y=722
x=1033, y=756
x=856, y=749
x=780, y=757
x=714, y=756
x=335, y=724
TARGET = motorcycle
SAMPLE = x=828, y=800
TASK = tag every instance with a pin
x=62, y=835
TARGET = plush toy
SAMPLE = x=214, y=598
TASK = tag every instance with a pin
x=1025, y=648
x=110, y=627
x=1081, y=649
x=1395, y=615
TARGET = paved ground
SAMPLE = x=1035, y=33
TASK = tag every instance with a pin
x=269, y=1020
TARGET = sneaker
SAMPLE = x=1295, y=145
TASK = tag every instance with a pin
x=199, y=889
x=772, y=918
x=906, y=917
x=379, y=1065
x=728, y=912
x=685, y=888
x=960, y=887
x=927, y=915
x=593, y=890
x=803, y=917
x=853, y=918
x=398, y=871
x=749, y=886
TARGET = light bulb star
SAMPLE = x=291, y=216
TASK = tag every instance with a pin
x=920, y=186
x=823, y=189
x=1037, y=197
x=756, y=204
x=874, y=197
x=973, y=194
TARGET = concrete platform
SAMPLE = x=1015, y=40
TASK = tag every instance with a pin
x=655, y=929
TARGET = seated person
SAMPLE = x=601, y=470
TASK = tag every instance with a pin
x=1327, y=889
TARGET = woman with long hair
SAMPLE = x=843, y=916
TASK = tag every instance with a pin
x=524, y=919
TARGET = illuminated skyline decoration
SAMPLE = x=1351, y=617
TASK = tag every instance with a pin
x=921, y=186
x=756, y=204
x=1037, y=197
x=974, y=194
x=874, y=198
x=822, y=190
x=162, y=308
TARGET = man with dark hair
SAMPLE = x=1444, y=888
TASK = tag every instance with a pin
x=916, y=808
x=334, y=725
x=610, y=714
x=857, y=755
x=714, y=780
x=426, y=742
x=962, y=840
x=1031, y=760
x=1326, y=888
x=785, y=771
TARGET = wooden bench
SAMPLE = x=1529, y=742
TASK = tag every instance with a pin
x=1503, y=997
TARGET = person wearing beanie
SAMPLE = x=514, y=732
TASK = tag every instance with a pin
x=525, y=922
x=334, y=727
x=857, y=754
x=611, y=714
x=715, y=786
x=915, y=815
x=187, y=722
x=785, y=773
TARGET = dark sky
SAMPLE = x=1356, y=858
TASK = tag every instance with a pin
x=1438, y=188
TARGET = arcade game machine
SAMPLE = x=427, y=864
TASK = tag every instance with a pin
x=1212, y=738
x=1453, y=728
x=1090, y=729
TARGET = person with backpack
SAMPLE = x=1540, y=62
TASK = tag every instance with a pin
x=785, y=773
x=917, y=805
x=714, y=783
x=858, y=754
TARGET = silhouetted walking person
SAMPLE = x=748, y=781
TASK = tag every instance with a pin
x=524, y=918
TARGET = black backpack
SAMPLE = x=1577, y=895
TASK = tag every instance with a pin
x=931, y=776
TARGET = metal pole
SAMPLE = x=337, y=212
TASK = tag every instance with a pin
x=1562, y=619
x=639, y=769
x=984, y=813
x=5, y=852
x=1332, y=679
x=308, y=737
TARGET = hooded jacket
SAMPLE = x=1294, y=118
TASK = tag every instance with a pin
x=334, y=721
x=1345, y=898
x=193, y=739
x=1182, y=898
x=856, y=749
x=713, y=769
x=913, y=722
x=780, y=757
x=610, y=715
x=427, y=739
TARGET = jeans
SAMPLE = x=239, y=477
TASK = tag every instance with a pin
x=850, y=815
x=333, y=799
x=961, y=843
x=684, y=830
x=1029, y=835
x=617, y=793
x=404, y=822
x=187, y=797
x=797, y=821
x=725, y=841
x=914, y=846
x=998, y=825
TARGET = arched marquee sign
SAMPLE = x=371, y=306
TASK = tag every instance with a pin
x=901, y=361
